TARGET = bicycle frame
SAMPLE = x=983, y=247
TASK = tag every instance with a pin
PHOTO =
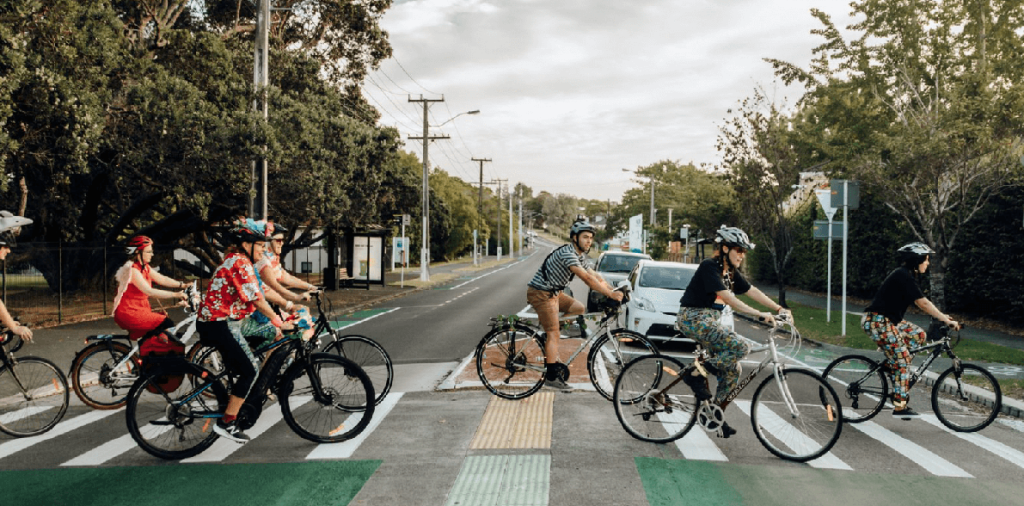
x=603, y=327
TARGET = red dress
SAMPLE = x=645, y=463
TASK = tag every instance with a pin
x=133, y=313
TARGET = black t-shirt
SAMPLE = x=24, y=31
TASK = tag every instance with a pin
x=707, y=282
x=895, y=295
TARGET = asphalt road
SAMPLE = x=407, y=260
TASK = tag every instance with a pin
x=463, y=446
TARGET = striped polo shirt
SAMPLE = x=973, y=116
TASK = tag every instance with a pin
x=557, y=266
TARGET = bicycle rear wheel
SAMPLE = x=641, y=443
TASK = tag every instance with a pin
x=370, y=356
x=175, y=421
x=861, y=384
x=510, y=362
x=651, y=402
x=796, y=416
x=97, y=378
x=968, y=399
x=326, y=399
x=33, y=396
x=610, y=353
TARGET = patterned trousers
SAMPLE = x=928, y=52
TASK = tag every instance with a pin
x=726, y=350
x=896, y=341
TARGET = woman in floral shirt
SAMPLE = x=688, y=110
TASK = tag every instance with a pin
x=233, y=295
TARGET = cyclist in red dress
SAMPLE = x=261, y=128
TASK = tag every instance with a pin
x=132, y=311
x=10, y=226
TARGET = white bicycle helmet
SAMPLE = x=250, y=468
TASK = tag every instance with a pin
x=10, y=226
x=733, y=237
x=913, y=253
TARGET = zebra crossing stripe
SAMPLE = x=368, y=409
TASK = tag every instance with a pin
x=11, y=447
x=223, y=447
x=22, y=413
x=793, y=438
x=922, y=457
x=1011, y=455
x=696, y=444
x=345, y=449
x=108, y=450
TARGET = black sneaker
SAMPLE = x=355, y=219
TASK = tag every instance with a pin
x=727, y=431
x=698, y=383
x=231, y=431
x=905, y=413
x=557, y=384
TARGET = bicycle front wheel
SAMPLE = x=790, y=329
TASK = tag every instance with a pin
x=861, y=384
x=326, y=399
x=610, y=353
x=370, y=356
x=33, y=396
x=651, y=401
x=174, y=419
x=510, y=362
x=796, y=415
x=966, y=399
x=99, y=377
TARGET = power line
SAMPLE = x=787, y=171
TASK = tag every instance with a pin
x=410, y=76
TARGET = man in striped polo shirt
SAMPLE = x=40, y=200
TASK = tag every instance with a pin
x=544, y=291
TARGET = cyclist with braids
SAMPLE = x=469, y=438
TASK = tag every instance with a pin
x=135, y=279
x=883, y=320
x=233, y=295
x=699, y=315
x=10, y=227
x=545, y=292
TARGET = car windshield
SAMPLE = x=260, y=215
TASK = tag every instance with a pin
x=668, y=278
x=618, y=263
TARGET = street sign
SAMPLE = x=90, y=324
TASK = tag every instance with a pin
x=406, y=219
x=825, y=199
x=821, y=230
x=684, y=233
x=836, y=186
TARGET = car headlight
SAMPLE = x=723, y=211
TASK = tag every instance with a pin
x=644, y=304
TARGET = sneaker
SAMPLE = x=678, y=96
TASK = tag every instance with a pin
x=905, y=413
x=231, y=431
x=557, y=384
x=727, y=431
x=697, y=383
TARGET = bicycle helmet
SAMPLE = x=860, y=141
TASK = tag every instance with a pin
x=580, y=226
x=275, y=228
x=913, y=254
x=10, y=227
x=733, y=237
x=248, y=230
x=137, y=244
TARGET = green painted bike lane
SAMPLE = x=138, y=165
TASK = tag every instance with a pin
x=286, y=484
x=687, y=482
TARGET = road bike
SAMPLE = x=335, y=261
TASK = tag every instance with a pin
x=362, y=350
x=965, y=397
x=33, y=391
x=324, y=398
x=510, y=358
x=104, y=370
x=795, y=414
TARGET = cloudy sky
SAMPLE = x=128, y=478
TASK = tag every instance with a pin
x=573, y=91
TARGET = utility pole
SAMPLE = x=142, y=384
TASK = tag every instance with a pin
x=261, y=80
x=652, y=202
x=479, y=206
x=520, y=222
x=498, y=236
x=511, y=232
x=425, y=201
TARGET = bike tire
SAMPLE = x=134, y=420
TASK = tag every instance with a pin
x=370, y=356
x=510, y=353
x=195, y=414
x=964, y=409
x=650, y=403
x=607, y=357
x=109, y=390
x=336, y=405
x=46, y=402
x=802, y=436
x=862, y=386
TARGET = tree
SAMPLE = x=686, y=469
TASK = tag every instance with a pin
x=939, y=132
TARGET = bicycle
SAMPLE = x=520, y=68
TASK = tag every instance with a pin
x=33, y=391
x=510, y=358
x=104, y=370
x=956, y=393
x=795, y=414
x=324, y=398
x=362, y=350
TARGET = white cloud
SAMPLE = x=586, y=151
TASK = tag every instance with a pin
x=571, y=91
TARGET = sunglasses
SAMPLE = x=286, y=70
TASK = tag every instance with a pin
x=278, y=241
x=740, y=250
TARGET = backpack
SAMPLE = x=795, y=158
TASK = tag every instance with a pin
x=156, y=353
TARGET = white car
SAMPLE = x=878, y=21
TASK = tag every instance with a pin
x=613, y=267
x=654, y=302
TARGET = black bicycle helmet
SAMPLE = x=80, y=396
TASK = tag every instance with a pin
x=274, y=228
x=733, y=237
x=913, y=254
x=580, y=226
x=10, y=227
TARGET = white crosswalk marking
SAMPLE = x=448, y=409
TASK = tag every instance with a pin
x=696, y=444
x=918, y=454
x=1011, y=455
x=345, y=449
x=223, y=447
x=11, y=447
x=22, y=413
x=793, y=438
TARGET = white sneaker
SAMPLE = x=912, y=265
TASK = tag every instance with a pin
x=231, y=431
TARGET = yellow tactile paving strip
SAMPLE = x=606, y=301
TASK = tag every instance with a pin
x=509, y=424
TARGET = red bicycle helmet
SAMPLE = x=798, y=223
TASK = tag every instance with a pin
x=137, y=244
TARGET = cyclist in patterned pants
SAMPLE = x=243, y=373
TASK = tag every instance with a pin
x=699, y=315
x=883, y=320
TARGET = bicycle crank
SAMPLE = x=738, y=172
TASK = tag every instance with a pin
x=710, y=416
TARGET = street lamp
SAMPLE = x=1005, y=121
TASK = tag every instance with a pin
x=652, y=194
x=449, y=120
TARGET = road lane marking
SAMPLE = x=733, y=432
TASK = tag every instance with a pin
x=345, y=449
x=114, y=448
x=502, y=480
x=695, y=445
x=347, y=325
x=913, y=451
x=1012, y=455
x=793, y=438
x=460, y=285
x=223, y=447
x=23, y=413
x=11, y=447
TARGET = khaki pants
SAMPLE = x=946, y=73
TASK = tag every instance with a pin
x=548, y=306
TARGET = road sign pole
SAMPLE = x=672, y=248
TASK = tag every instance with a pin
x=846, y=230
x=405, y=245
x=828, y=283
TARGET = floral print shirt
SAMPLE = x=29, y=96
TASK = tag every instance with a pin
x=234, y=291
